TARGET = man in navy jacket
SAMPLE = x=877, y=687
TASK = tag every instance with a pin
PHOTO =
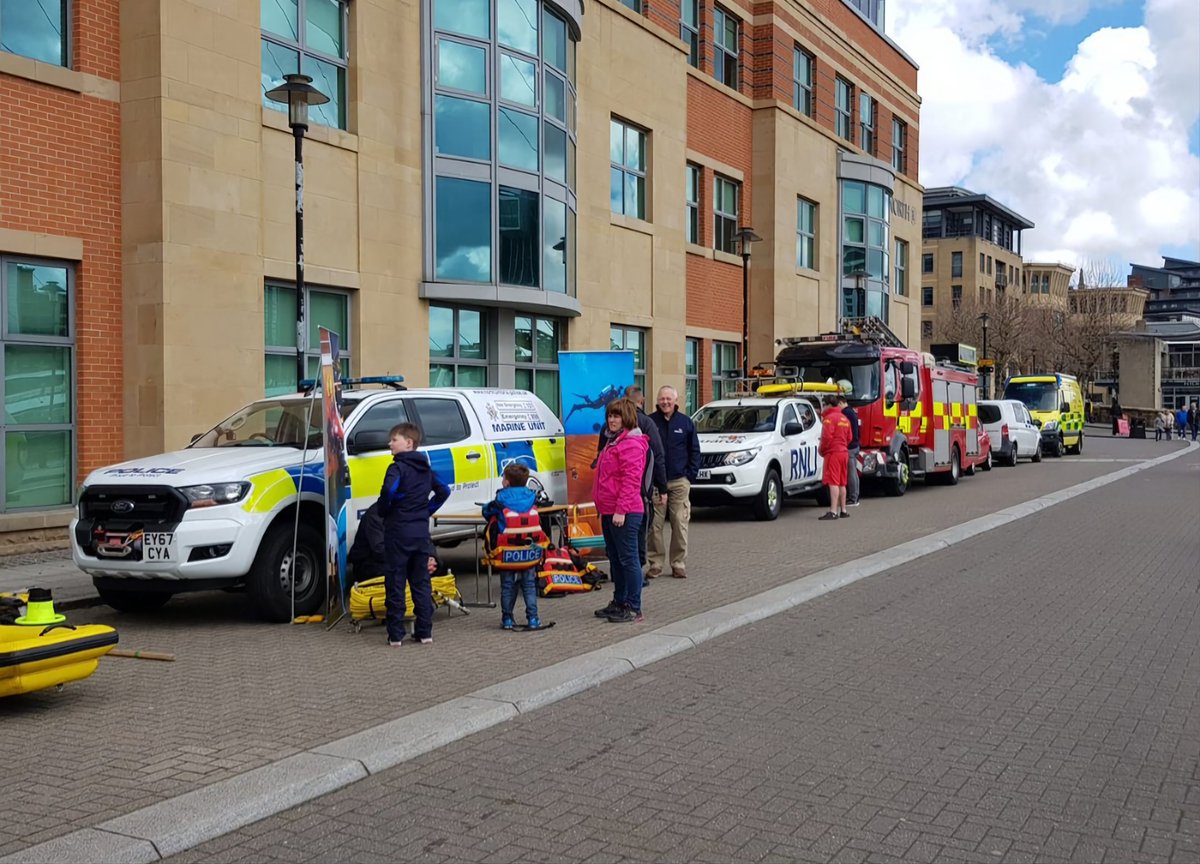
x=681, y=449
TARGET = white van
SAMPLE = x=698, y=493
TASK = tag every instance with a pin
x=221, y=513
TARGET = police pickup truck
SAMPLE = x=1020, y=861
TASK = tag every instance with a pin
x=756, y=450
x=222, y=513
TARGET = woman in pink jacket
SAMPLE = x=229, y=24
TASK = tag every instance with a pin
x=617, y=491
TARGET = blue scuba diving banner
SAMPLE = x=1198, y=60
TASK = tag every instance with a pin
x=337, y=470
x=588, y=380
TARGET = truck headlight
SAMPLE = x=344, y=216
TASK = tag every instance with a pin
x=741, y=457
x=1050, y=426
x=215, y=494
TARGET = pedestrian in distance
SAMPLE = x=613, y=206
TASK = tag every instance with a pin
x=1181, y=421
x=513, y=514
x=835, y=440
x=681, y=450
x=1160, y=426
x=1116, y=415
x=617, y=491
x=851, y=453
x=1169, y=429
x=654, y=482
x=411, y=493
x=1193, y=419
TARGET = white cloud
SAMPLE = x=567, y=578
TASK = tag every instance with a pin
x=1099, y=159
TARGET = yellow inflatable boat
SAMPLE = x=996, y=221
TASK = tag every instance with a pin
x=41, y=650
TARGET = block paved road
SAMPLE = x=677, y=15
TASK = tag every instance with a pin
x=243, y=694
x=1027, y=695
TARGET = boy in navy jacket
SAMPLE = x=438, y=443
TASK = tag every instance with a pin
x=411, y=494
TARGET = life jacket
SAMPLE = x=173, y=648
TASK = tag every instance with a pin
x=565, y=572
x=521, y=545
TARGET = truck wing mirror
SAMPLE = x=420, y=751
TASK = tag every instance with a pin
x=907, y=367
x=908, y=388
x=1065, y=408
x=791, y=428
x=367, y=440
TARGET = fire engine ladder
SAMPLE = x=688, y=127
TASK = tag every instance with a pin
x=871, y=329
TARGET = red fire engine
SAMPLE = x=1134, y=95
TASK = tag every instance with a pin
x=917, y=413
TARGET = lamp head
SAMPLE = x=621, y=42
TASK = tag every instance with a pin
x=297, y=93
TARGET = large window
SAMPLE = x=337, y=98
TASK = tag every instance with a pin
x=306, y=36
x=866, y=123
x=631, y=339
x=627, y=153
x=927, y=295
x=724, y=360
x=691, y=376
x=956, y=263
x=726, y=39
x=726, y=193
x=927, y=262
x=866, y=249
x=900, y=262
x=503, y=117
x=39, y=375
x=900, y=145
x=324, y=307
x=692, y=216
x=926, y=329
x=843, y=106
x=689, y=29
x=802, y=81
x=35, y=29
x=458, y=349
x=806, y=234
x=536, y=357
x=955, y=296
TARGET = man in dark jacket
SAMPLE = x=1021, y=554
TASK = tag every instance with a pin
x=852, y=453
x=681, y=447
x=654, y=483
x=411, y=493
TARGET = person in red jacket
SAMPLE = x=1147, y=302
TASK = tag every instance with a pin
x=834, y=447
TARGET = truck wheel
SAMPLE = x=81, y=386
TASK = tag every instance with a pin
x=822, y=497
x=955, y=471
x=1058, y=449
x=894, y=487
x=986, y=464
x=269, y=582
x=124, y=600
x=1077, y=447
x=1037, y=454
x=769, y=500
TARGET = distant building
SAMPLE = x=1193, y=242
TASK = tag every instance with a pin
x=1174, y=288
x=1047, y=284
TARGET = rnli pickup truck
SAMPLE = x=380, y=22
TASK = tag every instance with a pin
x=222, y=512
x=757, y=450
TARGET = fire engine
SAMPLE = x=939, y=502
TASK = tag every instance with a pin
x=916, y=412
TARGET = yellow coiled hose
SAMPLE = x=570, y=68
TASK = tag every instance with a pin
x=367, y=600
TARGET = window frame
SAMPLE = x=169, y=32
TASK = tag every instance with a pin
x=866, y=125
x=802, y=93
x=693, y=227
x=626, y=170
x=456, y=361
x=956, y=296
x=926, y=296
x=311, y=352
x=627, y=330
x=300, y=46
x=534, y=365
x=69, y=342
x=843, y=122
x=690, y=32
x=718, y=380
x=806, y=241
x=727, y=58
x=66, y=40
x=900, y=268
x=927, y=262
x=926, y=329
x=721, y=216
x=691, y=374
x=956, y=264
x=899, y=145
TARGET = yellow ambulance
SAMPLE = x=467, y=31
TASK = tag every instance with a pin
x=1056, y=403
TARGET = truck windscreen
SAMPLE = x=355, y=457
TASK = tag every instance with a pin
x=859, y=381
x=740, y=418
x=273, y=423
x=1037, y=395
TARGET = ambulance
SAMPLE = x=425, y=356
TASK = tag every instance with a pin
x=222, y=512
x=1055, y=402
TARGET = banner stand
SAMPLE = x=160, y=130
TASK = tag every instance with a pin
x=337, y=480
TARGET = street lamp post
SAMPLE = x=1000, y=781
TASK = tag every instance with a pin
x=297, y=93
x=745, y=236
x=987, y=370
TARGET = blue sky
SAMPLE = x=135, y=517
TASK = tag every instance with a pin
x=1083, y=115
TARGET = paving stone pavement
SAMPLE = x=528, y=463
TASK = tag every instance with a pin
x=1030, y=694
x=243, y=694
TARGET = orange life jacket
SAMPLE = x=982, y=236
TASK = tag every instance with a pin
x=521, y=545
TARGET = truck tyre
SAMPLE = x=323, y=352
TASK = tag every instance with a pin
x=1037, y=454
x=1077, y=447
x=894, y=487
x=951, y=476
x=769, y=500
x=1057, y=450
x=269, y=581
x=124, y=600
x=822, y=497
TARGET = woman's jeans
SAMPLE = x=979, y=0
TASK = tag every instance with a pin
x=622, y=545
x=509, y=580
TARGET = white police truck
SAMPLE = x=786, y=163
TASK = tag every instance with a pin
x=757, y=450
x=221, y=513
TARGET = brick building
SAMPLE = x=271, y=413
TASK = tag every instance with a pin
x=491, y=182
